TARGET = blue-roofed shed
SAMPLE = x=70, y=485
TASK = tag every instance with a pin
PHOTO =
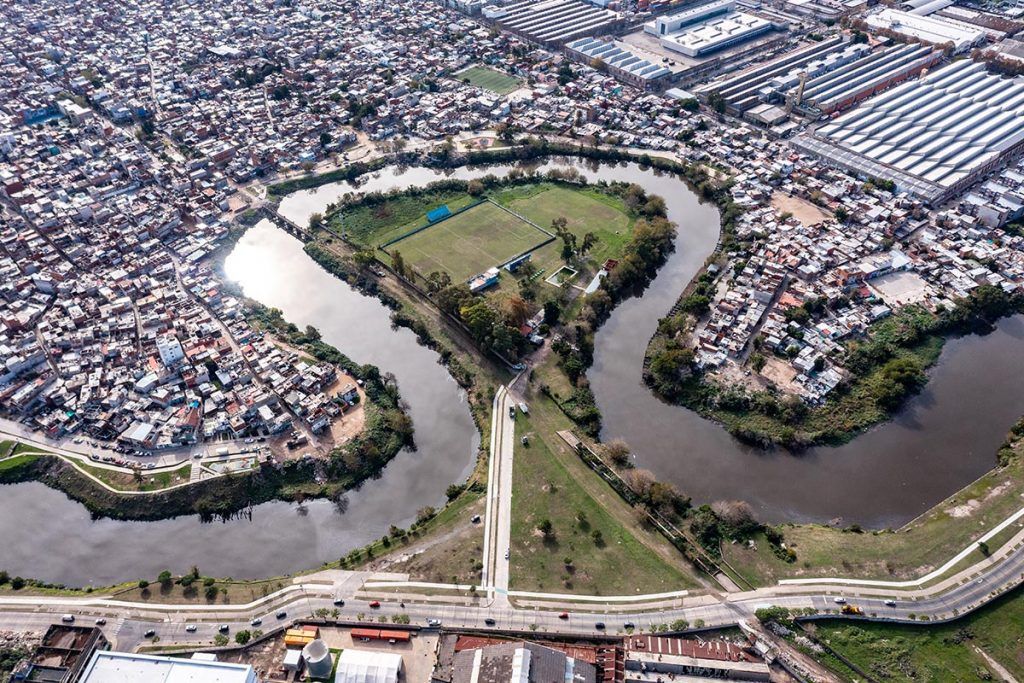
x=434, y=215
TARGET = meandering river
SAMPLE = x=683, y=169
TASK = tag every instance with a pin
x=944, y=438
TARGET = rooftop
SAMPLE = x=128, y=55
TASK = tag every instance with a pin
x=124, y=667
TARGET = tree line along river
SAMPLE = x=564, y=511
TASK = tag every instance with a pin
x=944, y=438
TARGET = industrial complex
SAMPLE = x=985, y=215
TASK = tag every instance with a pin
x=933, y=137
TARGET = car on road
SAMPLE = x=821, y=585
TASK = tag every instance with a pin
x=375, y=604
x=890, y=603
x=101, y=622
x=256, y=622
x=281, y=615
x=563, y=615
x=68, y=618
x=223, y=628
x=599, y=626
x=338, y=602
x=191, y=628
x=839, y=600
x=150, y=633
x=433, y=622
x=629, y=626
x=490, y=622
x=506, y=554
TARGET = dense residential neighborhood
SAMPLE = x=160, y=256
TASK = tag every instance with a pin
x=466, y=189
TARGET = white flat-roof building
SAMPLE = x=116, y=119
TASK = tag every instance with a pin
x=930, y=29
x=169, y=348
x=705, y=28
x=716, y=34
x=125, y=667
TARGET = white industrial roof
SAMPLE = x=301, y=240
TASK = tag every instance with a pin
x=938, y=128
x=714, y=33
x=365, y=666
x=125, y=667
x=931, y=29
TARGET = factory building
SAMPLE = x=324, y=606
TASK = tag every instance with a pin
x=934, y=30
x=933, y=137
x=554, y=22
x=701, y=30
x=822, y=78
x=872, y=73
x=520, y=663
x=126, y=667
x=650, y=659
x=620, y=61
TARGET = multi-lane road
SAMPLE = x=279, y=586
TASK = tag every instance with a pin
x=127, y=623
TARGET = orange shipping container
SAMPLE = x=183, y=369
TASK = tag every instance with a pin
x=394, y=635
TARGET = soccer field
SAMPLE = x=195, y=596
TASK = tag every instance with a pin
x=489, y=79
x=469, y=242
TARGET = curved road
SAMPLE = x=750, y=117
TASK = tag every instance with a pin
x=127, y=622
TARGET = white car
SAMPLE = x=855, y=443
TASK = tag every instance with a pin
x=191, y=628
x=839, y=600
x=890, y=603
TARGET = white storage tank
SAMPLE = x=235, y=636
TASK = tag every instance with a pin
x=318, y=659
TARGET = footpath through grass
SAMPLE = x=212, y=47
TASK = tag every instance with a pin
x=610, y=552
x=948, y=652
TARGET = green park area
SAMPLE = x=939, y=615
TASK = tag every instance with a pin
x=571, y=532
x=512, y=220
x=967, y=649
x=489, y=79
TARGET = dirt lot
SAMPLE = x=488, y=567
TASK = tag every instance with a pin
x=802, y=210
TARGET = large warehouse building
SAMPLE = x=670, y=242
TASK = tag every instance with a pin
x=554, y=22
x=621, y=61
x=127, y=667
x=835, y=75
x=934, y=30
x=933, y=137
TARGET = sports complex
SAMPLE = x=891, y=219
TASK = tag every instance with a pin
x=469, y=241
x=465, y=237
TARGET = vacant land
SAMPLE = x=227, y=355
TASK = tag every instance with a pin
x=469, y=242
x=804, y=211
x=142, y=481
x=951, y=652
x=917, y=548
x=594, y=534
x=489, y=79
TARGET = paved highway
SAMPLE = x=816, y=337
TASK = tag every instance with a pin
x=128, y=622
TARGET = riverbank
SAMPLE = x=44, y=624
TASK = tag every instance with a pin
x=883, y=369
x=902, y=554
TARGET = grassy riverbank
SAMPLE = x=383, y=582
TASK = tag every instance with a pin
x=593, y=534
x=909, y=552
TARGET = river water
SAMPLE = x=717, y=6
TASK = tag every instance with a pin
x=944, y=438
